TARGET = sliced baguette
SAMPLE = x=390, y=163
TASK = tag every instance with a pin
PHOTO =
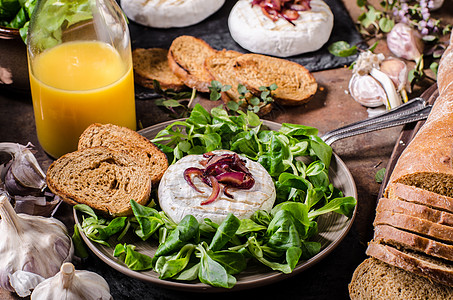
x=416, y=225
x=374, y=279
x=296, y=85
x=186, y=58
x=415, y=210
x=152, y=64
x=385, y=234
x=420, y=196
x=123, y=138
x=421, y=265
x=102, y=178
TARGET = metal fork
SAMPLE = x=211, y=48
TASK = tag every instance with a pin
x=414, y=110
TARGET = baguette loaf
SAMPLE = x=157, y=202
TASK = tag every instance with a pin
x=374, y=279
x=415, y=210
x=420, y=196
x=102, y=178
x=152, y=64
x=186, y=58
x=414, y=224
x=123, y=138
x=296, y=85
x=386, y=234
x=421, y=265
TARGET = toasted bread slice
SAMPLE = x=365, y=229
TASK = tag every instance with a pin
x=186, y=58
x=220, y=66
x=374, y=279
x=123, y=138
x=152, y=64
x=296, y=85
x=102, y=178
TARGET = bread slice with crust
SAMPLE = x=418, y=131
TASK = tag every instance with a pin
x=122, y=138
x=374, y=279
x=186, y=58
x=295, y=84
x=415, y=210
x=420, y=196
x=152, y=64
x=421, y=265
x=100, y=177
x=386, y=234
x=414, y=224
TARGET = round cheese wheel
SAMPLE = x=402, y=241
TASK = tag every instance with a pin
x=169, y=13
x=254, y=31
x=178, y=199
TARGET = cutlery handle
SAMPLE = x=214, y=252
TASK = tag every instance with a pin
x=414, y=110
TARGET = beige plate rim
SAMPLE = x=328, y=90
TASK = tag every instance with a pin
x=249, y=280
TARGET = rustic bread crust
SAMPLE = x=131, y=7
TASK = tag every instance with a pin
x=413, y=224
x=420, y=196
x=385, y=234
x=102, y=178
x=186, y=58
x=123, y=138
x=415, y=210
x=427, y=267
x=152, y=64
x=374, y=279
x=296, y=85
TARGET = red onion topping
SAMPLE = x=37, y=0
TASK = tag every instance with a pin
x=286, y=9
x=228, y=170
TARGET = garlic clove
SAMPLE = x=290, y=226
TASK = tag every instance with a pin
x=405, y=42
x=367, y=91
x=71, y=284
x=393, y=99
x=396, y=69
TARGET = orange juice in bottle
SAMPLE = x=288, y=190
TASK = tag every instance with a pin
x=76, y=84
x=80, y=67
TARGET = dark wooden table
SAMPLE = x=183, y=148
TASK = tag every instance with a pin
x=331, y=107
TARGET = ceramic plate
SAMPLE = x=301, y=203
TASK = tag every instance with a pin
x=332, y=227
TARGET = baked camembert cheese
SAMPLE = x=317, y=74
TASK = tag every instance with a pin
x=169, y=13
x=256, y=32
x=178, y=199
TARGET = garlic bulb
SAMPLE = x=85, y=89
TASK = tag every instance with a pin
x=405, y=42
x=71, y=284
x=367, y=91
x=24, y=172
x=24, y=181
x=32, y=244
x=366, y=61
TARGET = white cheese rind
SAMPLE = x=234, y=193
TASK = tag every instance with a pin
x=253, y=31
x=177, y=199
x=169, y=13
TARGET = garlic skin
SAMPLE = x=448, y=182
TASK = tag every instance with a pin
x=367, y=91
x=32, y=244
x=405, y=42
x=71, y=284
